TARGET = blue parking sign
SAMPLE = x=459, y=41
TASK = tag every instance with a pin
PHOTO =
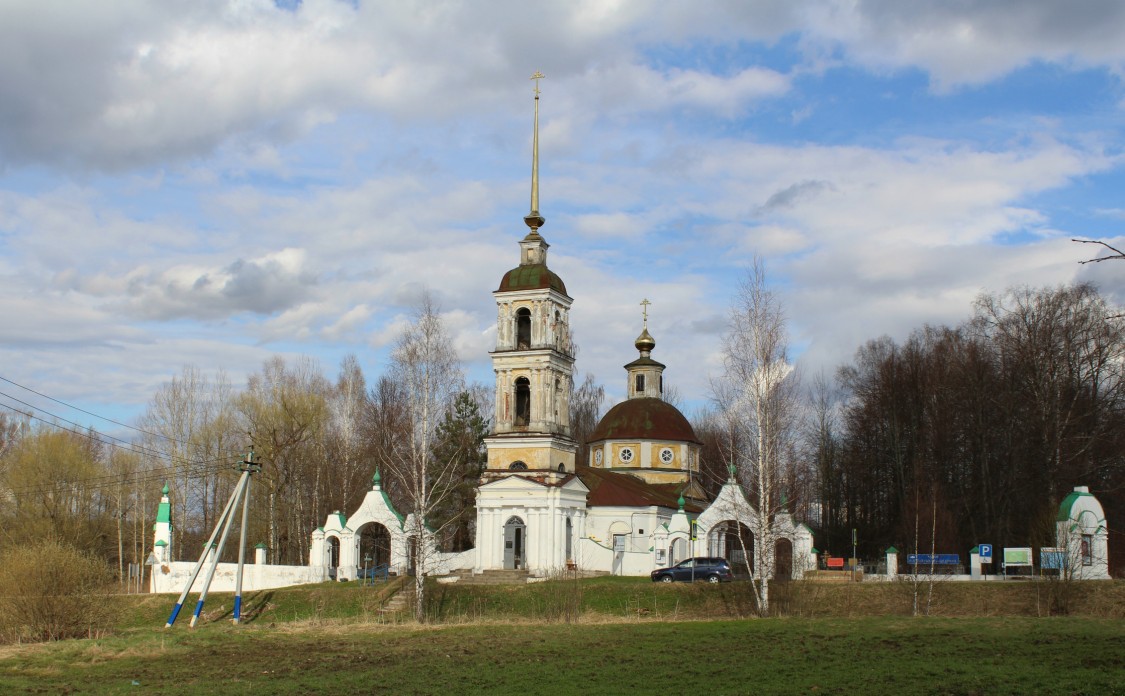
x=985, y=552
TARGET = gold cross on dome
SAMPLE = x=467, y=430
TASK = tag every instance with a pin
x=537, y=77
x=644, y=309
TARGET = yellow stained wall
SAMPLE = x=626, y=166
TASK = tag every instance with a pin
x=533, y=457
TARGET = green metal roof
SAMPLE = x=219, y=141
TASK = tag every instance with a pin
x=531, y=277
x=1068, y=503
x=387, y=500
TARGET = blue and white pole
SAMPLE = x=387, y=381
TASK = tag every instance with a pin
x=242, y=549
x=199, y=563
x=218, y=552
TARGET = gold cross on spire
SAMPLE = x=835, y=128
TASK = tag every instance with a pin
x=644, y=310
x=537, y=77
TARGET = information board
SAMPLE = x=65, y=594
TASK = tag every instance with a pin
x=1019, y=556
x=1052, y=558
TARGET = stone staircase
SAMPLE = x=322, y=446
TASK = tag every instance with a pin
x=399, y=606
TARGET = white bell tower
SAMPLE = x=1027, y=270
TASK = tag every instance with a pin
x=534, y=358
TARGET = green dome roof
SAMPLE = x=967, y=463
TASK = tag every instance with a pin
x=531, y=277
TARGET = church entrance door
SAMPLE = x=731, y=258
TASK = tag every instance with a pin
x=514, y=552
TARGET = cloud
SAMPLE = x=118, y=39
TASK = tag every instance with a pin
x=264, y=286
x=791, y=195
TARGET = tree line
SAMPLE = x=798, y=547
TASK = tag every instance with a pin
x=972, y=433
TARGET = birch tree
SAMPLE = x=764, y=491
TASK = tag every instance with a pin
x=429, y=375
x=759, y=397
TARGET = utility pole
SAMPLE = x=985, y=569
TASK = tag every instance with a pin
x=240, y=496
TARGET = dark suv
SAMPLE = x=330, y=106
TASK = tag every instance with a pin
x=709, y=569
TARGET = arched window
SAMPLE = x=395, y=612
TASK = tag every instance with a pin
x=562, y=468
x=640, y=384
x=523, y=401
x=523, y=328
x=517, y=466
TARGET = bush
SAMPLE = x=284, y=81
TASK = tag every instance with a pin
x=52, y=591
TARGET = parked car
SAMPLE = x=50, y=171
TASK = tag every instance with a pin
x=701, y=568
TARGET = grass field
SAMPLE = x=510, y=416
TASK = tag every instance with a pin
x=628, y=637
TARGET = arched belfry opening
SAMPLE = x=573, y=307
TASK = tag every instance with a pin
x=523, y=401
x=523, y=328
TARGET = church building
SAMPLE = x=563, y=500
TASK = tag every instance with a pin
x=631, y=506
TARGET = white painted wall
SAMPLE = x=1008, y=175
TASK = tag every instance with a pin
x=171, y=577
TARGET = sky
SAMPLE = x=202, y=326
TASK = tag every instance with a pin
x=215, y=182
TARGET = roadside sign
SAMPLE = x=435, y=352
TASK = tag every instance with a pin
x=985, y=553
x=924, y=559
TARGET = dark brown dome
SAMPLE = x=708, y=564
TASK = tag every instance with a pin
x=644, y=419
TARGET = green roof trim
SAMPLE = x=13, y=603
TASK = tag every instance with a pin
x=814, y=550
x=1068, y=503
x=891, y=549
x=164, y=512
x=387, y=500
x=161, y=543
x=261, y=545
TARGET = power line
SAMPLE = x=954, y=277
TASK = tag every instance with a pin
x=124, y=444
x=138, y=478
x=88, y=413
x=218, y=462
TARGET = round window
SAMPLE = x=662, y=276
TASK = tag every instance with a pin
x=626, y=454
x=667, y=455
x=598, y=458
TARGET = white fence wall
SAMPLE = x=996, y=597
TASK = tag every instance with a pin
x=171, y=577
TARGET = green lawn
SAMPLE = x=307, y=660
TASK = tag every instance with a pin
x=598, y=636
x=870, y=655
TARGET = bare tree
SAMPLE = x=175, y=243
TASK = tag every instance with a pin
x=585, y=411
x=190, y=424
x=346, y=406
x=1117, y=253
x=426, y=369
x=285, y=406
x=760, y=397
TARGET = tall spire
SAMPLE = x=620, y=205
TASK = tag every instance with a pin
x=533, y=219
